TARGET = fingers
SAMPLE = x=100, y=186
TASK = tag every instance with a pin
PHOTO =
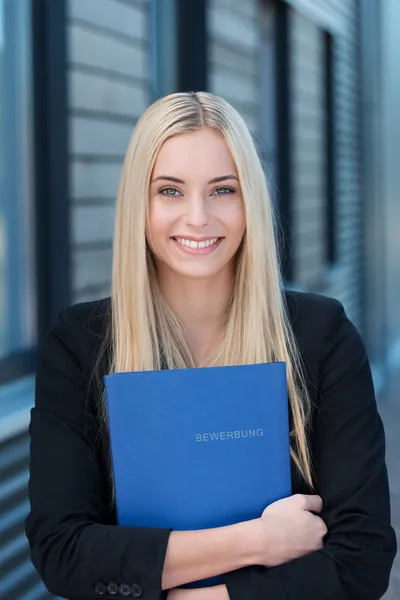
x=311, y=503
x=324, y=528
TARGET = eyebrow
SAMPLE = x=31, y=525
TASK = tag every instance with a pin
x=176, y=180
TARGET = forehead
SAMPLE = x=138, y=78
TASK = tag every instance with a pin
x=196, y=154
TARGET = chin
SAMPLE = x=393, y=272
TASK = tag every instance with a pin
x=196, y=269
x=197, y=272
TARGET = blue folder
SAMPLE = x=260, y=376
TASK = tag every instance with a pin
x=198, y=448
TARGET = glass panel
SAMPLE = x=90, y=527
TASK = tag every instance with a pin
x=2, y=215
x=268, y=79
x=163, y=48
x=17, y=293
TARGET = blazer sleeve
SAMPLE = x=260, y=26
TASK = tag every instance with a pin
x=76, y=553
x=351, y=477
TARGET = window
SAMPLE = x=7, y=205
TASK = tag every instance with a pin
x=192, y=45
x=268, y=87
x=331, y=253
x=17, y=256
x=178, y=46
x=275, y=133
x=163, y=49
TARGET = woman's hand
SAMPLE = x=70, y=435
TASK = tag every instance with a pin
x=289, y=529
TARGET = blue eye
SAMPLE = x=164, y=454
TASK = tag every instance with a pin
x=169, y=191
x=224, y=191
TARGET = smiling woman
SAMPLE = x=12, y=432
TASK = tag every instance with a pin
x=196, y=282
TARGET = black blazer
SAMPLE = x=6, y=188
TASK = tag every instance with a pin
x=79, y=551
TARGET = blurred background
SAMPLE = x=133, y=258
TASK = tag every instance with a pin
x=318, y=83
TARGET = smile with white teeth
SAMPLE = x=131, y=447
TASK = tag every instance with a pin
x=193, y=244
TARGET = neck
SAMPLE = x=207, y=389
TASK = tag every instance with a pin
x=200, y=305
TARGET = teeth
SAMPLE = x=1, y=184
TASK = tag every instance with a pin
x=193, y=244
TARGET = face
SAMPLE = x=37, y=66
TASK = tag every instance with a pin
x=196, y=211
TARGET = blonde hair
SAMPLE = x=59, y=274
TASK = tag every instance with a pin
x=144, y=333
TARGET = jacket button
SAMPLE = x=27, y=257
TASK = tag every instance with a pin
x=125, y=589
x=112, y=588
x=100, y=589
x=136, y=590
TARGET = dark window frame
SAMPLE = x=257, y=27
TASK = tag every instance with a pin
x=51, y=178
x=51, y=159
x=330, y=174
x=192, y=45
x=283, y=136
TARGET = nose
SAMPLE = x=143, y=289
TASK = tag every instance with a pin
x=197, y=211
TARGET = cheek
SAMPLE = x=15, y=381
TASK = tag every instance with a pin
x=235, y=219
x=154, y=226
x=159, y=219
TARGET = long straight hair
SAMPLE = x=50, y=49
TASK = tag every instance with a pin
x=144, y=332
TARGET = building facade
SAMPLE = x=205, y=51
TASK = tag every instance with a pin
x=315, y=81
